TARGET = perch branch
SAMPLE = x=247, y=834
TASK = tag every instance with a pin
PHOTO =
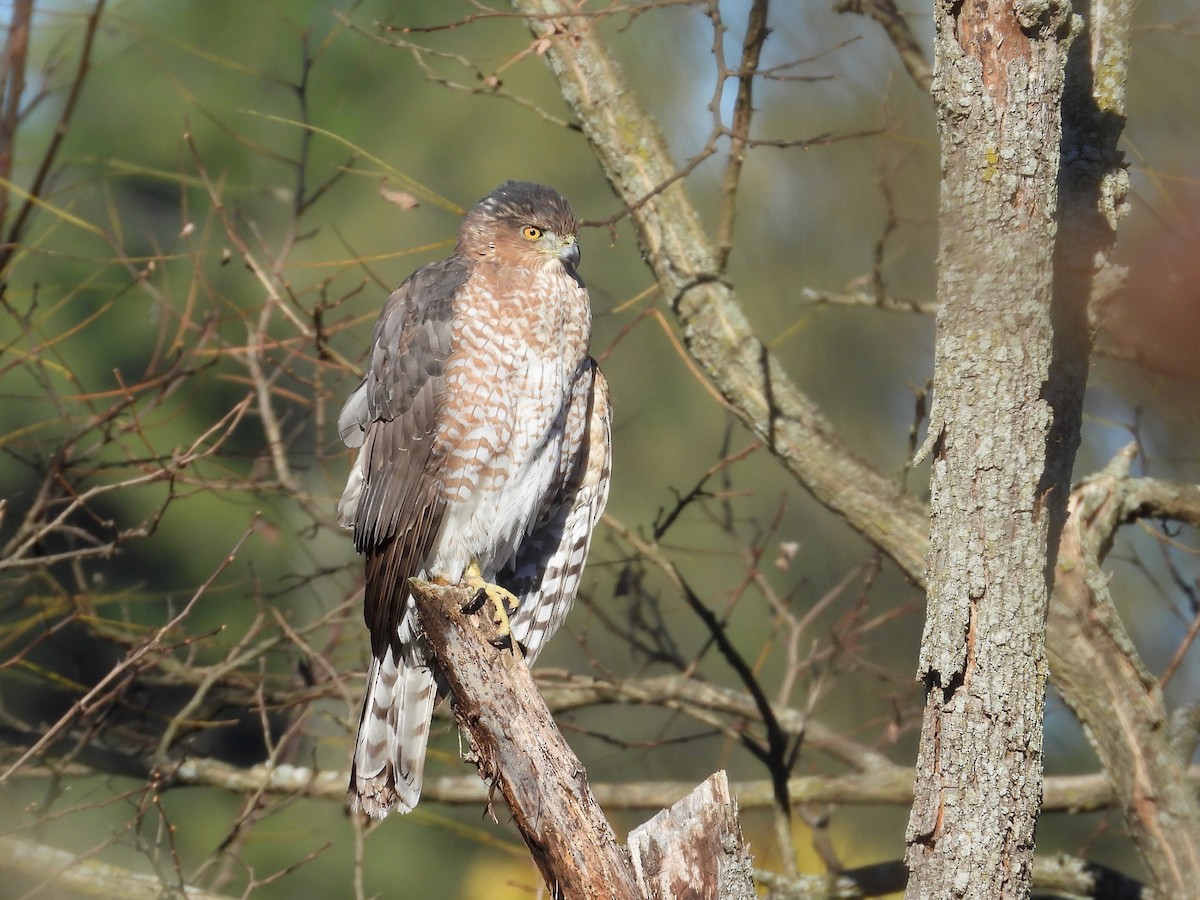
x=517, y=747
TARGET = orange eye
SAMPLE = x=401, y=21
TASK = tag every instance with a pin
x=531, y=232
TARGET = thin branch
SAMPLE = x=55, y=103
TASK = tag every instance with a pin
x=1073, y=794
x=739, y=126
x=775, y=755
x=264, y=277
x=863, y=298
x=12, y=89
x=82, y=877
x=125, y=670
x=34, y=193
x=896, y=27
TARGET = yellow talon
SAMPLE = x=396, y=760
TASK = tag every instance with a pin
x=504, y=601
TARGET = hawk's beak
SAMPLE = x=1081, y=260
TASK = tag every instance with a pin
x=569, y=253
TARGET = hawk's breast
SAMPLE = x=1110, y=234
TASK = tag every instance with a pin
x=520, y=340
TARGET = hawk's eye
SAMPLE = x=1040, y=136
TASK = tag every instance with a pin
x=531, y=232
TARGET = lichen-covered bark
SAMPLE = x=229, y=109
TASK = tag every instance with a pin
x=1003, y=434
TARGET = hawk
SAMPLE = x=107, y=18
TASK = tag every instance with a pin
x=483, y=429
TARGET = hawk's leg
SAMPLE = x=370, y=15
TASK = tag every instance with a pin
x=504, y=601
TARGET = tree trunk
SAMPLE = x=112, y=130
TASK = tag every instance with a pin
x=1003, y=433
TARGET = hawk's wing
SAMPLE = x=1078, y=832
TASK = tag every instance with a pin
x=393, y=501
x=546, y=570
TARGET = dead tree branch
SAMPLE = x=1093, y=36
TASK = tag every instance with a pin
x=517, y=746
x=695, y=848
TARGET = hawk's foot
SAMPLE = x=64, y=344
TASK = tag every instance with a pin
x=504, y=602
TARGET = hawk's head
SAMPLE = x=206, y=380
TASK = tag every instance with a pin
x=521, y=224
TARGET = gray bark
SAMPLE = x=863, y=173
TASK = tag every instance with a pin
x=695, y=848
x=1003, y=434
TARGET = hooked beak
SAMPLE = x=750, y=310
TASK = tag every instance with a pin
x=569, y=253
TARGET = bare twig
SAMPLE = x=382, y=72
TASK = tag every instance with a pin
x=126, y=669
x=12, y=89
x=739, y=127
x=894, y=25
x=37, y=185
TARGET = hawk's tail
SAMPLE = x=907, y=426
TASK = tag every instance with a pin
x=389, y=753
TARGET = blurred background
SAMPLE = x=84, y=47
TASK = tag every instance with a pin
x=237, y=190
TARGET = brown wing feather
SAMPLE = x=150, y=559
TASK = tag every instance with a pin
x=401, y=506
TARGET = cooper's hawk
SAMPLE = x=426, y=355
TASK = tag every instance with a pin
x=484, y=429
